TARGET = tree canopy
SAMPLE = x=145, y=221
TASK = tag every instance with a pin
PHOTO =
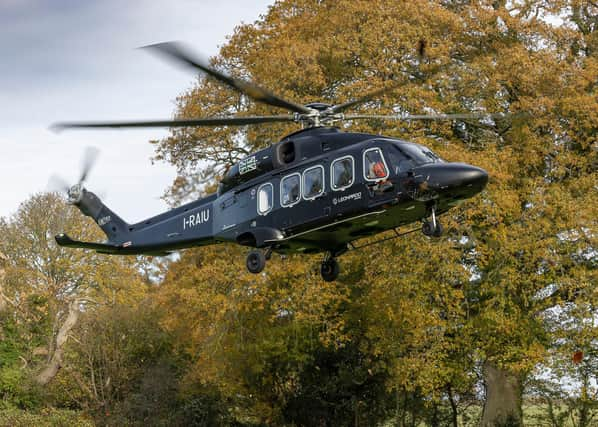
x=525, y=247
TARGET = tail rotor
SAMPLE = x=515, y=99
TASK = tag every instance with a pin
x=74, y=192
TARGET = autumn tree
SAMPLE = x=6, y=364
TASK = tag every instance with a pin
x=271, y=348
x=524, y=246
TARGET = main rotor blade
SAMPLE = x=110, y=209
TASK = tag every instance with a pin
x=342, y=107
x=405, y=117
x=177, y=51
x=210, y=121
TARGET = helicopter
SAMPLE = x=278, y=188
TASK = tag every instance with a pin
x=317, y=190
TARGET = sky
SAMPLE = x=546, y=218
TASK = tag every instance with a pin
x=70, y=60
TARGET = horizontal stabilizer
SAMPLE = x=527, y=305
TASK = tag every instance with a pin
x=105, y=248
x=65, y=240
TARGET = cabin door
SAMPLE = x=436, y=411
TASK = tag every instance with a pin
x=303, y=198
x=315, y=205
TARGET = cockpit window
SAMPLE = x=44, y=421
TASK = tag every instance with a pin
x=414, y=155
x=419, y=153
x=399, y=161
x=374, y=165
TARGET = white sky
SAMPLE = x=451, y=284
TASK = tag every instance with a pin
x=68, y=60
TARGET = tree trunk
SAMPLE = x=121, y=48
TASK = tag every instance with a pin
x=584, y=402
x=454, y=411
x=502, y=407
x=2, y=275
x=55, y=362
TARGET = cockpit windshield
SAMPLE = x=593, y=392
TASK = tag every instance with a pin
x=410, y=155
x=418, y=153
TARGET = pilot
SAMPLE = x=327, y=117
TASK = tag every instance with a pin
x=378, y=170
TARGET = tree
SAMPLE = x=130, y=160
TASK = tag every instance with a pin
x=522, y=236
x=48, y=286
x=265, y=343
x=120, y=368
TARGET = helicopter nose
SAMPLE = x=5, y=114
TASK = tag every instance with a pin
x=455, y=180
x=467, y=176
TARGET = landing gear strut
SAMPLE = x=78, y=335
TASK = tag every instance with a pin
x=432, y=228
x=256, y=261
x=329, y=269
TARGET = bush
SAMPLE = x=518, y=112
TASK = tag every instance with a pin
x=17, y=389
x=43, y=418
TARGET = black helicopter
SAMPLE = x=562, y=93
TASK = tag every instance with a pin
x=317, y=190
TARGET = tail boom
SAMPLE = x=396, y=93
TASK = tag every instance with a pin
x=184, y=227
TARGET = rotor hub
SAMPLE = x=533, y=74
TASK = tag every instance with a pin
x=75, y=193
x=319, y=106
x=318, y=117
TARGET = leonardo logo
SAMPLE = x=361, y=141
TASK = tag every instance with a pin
x=342, y=199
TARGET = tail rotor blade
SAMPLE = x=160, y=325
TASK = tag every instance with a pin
x=89, y=158
x=57, y=184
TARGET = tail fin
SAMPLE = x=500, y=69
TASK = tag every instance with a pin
x=111, y=224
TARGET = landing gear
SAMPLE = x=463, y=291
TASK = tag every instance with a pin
x=329, y=269
x=256, y=261
x=432, y=228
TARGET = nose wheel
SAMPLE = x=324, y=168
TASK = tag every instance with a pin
x=256, y=261
x=329, y=269
x=432, y=227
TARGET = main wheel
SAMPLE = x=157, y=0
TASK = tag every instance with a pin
x=429, y=230
x=256, y=261
x=329, y=270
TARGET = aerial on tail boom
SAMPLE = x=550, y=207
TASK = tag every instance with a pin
x=317, y=190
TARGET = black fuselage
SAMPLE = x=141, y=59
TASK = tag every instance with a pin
x=416, y=180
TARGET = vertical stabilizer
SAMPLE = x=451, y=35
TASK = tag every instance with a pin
x=111, y=224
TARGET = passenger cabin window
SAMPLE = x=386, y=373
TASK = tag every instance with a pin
x=265, y=197
x=342, y=173
x=290, y=190
x=374, y=166
x=313, y=182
